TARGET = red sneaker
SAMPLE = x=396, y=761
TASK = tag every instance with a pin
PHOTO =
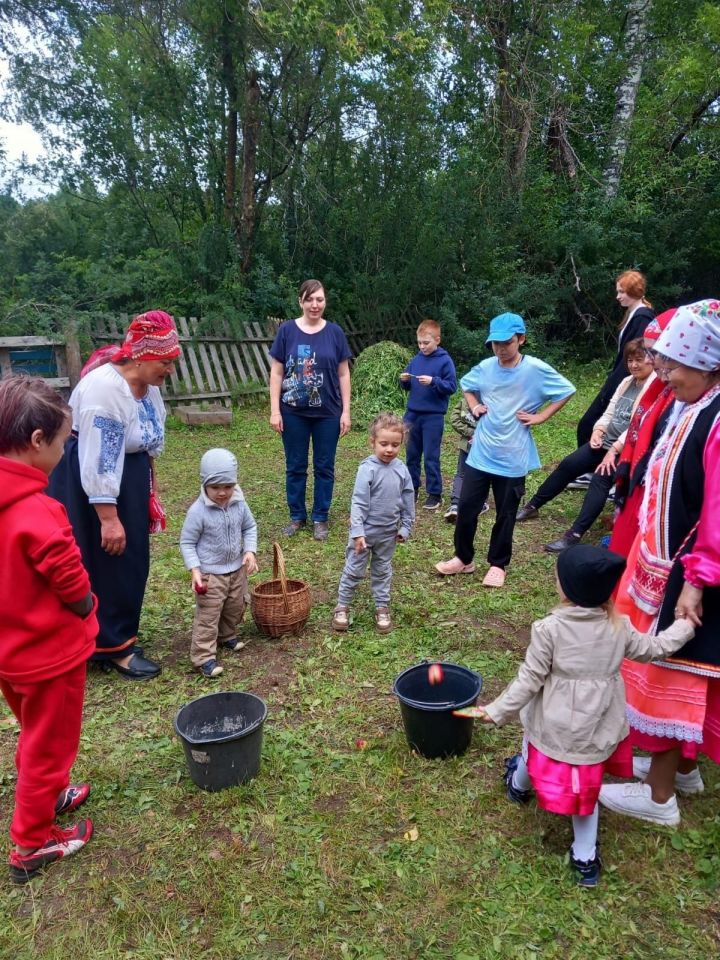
x=60, y=843
x=71, y=798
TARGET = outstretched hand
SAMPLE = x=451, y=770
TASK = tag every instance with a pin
x=475, y=713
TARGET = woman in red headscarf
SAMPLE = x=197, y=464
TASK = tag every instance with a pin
x=106, y=480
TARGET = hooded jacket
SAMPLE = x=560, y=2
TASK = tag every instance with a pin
x=215, y=538
x=569, y=692
x=40, y=572
x=435, y=397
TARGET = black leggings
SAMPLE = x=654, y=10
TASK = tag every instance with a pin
x=582, y=460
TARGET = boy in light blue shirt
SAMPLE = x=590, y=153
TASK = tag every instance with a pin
x=512, y=389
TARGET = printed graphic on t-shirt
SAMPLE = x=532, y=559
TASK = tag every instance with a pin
x=301, y=386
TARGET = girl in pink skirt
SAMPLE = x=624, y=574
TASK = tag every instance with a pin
x=572, y=698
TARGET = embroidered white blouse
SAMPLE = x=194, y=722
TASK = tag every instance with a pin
x=110, y=423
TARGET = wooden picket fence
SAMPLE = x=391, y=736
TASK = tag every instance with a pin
x=215, y=366
x=218, y=365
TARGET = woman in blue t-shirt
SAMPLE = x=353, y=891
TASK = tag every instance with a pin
x=310, y=398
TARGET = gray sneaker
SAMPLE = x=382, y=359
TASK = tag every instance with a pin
x=292, y=528
x=320, y=530
x=341, y=619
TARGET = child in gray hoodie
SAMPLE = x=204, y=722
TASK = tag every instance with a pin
x=382, y=513
x=218, y=544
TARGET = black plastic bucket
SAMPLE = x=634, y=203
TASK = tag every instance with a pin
x=221, y=734
x=426, y=709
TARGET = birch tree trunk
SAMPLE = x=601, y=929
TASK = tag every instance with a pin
x=231, y=120
x=248, y=216
x=635, y=32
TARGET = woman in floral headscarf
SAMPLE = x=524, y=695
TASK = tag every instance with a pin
x=106, y=480
x=673, y=570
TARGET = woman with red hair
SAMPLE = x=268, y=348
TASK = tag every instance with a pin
x=630, y=289
x=106, y=480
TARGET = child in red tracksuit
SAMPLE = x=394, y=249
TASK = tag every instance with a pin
x=49, y=626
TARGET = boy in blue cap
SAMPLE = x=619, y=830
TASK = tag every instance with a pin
x=512, y=388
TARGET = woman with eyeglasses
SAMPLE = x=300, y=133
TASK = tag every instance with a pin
x=673, y=570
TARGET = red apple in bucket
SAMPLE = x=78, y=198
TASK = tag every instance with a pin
x=435, y=674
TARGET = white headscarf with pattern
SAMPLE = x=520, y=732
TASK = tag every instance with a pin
x=693, y=336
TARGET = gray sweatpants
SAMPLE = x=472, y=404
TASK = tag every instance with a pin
x=380, y=549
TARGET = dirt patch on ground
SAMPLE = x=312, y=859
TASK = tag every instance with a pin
x=333, y=804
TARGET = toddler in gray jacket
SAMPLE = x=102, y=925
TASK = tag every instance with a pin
x=382, y=513
x=218, y=544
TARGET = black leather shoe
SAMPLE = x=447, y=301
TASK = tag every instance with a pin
x=320, y=530
x=292, y=528
x=139, y=668
x=527, y=513
x=562, y=543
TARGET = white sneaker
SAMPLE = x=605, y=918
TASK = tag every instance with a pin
x=635, y=800
x=685, y=783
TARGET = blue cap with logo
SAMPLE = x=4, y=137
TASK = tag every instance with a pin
x=505, y=326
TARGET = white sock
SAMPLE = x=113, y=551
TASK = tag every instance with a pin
x=585, y=829
x=521, y=777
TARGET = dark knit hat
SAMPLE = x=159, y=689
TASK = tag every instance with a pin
x=588, y=575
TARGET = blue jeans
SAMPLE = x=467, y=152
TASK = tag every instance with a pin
x=296, y=436
x=424, y=440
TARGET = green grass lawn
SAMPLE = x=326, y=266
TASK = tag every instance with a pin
x=333, y=851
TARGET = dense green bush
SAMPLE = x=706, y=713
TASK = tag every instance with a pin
x=375, y=384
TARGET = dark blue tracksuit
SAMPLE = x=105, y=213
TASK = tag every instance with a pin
x=425, y=415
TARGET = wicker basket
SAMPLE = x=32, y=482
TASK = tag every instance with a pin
x=280, y=605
